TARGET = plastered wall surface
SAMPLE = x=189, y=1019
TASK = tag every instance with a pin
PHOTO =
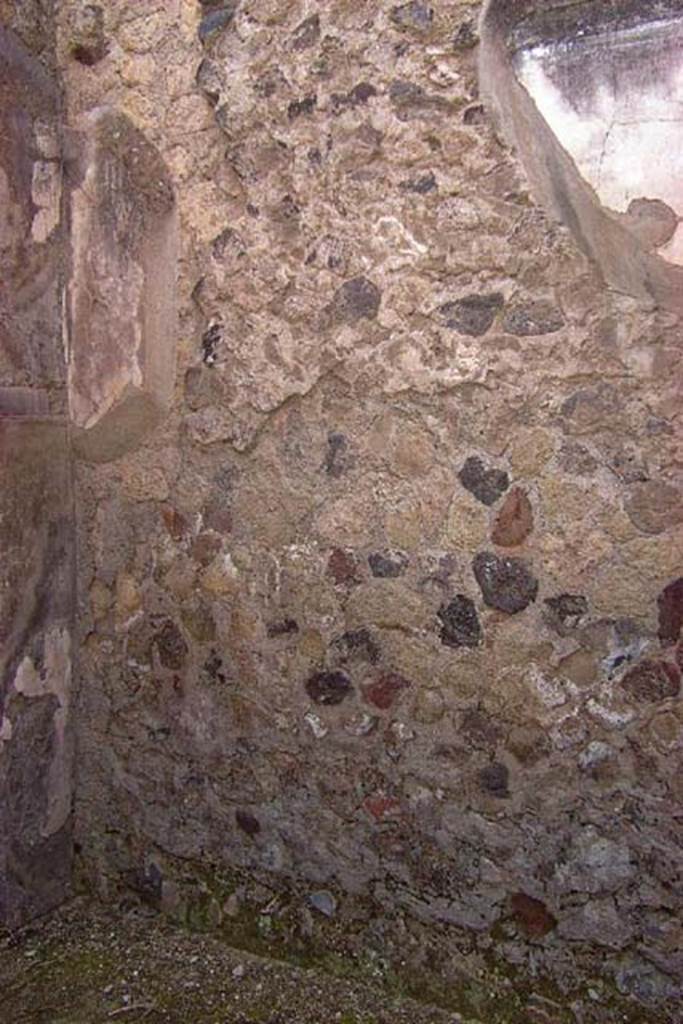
x=618, y=119
x=36, y=501
x=386, y=610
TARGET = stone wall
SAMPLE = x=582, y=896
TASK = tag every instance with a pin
x=36, y=505
x=385, y=613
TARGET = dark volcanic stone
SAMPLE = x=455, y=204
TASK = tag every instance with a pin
x=147, y=882
x=472, y=315
x=533, y=319
x=303, y=106
x=567, y=609
x=357, y=299
x=466, y=36
x=211, y=339
x=485, y=484
x=533, y=916
x=670, y=603
x=384, y=691
x=413, y=15
x=248, y=823
x=356, y=97
x=506, y=583
x=480, y=729
x=328, y=687
x=89, y=44
x=215, y=670
x=410, y=100
x=170, y=645
x=494, y=779
x=474, y=115
x=460, y=625
x=358, y=645
x=652, y=681
x=361, y=93
x=336, y=460
x=422, y=185
x=387, y=565
x=216, y=21
x=283, y=628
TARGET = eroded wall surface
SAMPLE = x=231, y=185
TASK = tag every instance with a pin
x=36, y=506
x=388, y=610
x=613, y=97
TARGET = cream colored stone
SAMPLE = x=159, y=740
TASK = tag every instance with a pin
x=617, y=524
x=413, y=657
x=387, y=603
x=143, y=482
x=312, y=646
x=429, y=706
x=656, y=558
x=221, y=578
x=348, y=521
x=142, y=32
x=128, y=600
x=141, y=109
x=403, y=524
x=100, y=600
x=563, y=501
x=202, y=211
x=412, y=450
x=529, y=450
x=467, y=523
x=138, y=70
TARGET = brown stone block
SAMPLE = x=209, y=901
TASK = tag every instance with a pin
x=515, y=521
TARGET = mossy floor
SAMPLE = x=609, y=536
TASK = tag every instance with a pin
x=92, y=965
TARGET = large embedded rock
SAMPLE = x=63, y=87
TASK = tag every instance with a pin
x=506, y=583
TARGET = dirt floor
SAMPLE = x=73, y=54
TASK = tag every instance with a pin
x=93, y=964
x=89, y=965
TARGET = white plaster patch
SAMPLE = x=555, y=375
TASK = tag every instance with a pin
x=316, y=725
x=553, y=692
x=609, y=716
x=616, y=105
x=397, y=241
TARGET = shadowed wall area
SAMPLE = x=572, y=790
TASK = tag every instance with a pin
x=37, y=575
x=374, y=417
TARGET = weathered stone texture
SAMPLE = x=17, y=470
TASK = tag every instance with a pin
x=295, y=618
x=121, y=299
x=31, y=236
x=36, y=721
x=37, y=570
